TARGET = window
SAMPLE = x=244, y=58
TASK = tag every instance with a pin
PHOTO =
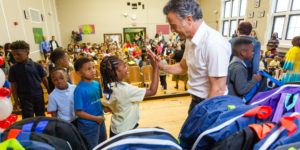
x=286, y=19
x=225, y=28
x=233, y=26
x=296, y=5
x=278, y=25
x=293, y=27
x=233, y=13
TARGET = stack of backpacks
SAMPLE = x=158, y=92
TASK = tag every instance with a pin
x=45, y=133
x=270, y=120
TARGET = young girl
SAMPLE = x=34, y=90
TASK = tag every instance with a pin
x=122, y=98
x=292, y=63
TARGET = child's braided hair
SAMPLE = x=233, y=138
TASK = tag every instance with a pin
x=108, y=69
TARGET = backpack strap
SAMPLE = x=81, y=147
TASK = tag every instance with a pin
x=297, y=105
x=279, y=109
x=27, y=127
x=277, y=82
x=285, y=121
x=289, y=107
x=13, y=133
x=262, y=130
x=288, y=123
x=41, y=126
x=262, y=112
x=24, y=136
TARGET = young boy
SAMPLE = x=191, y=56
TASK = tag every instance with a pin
x=60, y=59
x=163, y=75
x=61, y=100
x=87, y=103
x=237, y=82
x=26, y=77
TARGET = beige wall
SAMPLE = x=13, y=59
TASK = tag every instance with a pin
x=12, y=11
x=107, y=16
x=211, y=12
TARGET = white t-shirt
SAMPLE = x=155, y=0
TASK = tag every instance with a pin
x=124, y=103
x=206, y=55
x=62, y=101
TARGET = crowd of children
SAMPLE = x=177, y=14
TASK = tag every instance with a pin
x=81, y=104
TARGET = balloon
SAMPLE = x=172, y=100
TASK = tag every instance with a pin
x=6, y=84
x=4, y=92
x=4, y=124
x=5, y=107
x=12, y=118
x=2, y=61
x=2, y=78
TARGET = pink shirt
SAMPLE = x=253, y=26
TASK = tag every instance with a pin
x=159, y=49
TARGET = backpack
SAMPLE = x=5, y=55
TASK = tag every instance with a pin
x=285, y=132
x=267, y=83
x=142, y=138
x=230, y=122
x=245, y=139
x=50, y=126
x=203, y=115
x=282, y=100
x=55, y=142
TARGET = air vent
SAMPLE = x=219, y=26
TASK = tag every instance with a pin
x=35, y=15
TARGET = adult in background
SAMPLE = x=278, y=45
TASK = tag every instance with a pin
x=54, y=44
x=45, y=47
x=244, y=31
x=207, y=53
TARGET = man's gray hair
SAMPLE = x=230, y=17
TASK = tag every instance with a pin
x=183, y=8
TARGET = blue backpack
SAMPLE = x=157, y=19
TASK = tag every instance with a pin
x=203, y=115
x=231, y=122
x=267, y=83
x=142, y=138
x=285, y=132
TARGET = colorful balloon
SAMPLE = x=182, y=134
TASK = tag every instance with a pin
x=12, y=118
x=2, y=78
x=2, y=61
x=5, y=107
x=5, y=124
x=4, y=92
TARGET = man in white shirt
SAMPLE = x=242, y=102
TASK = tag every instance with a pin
x=54, y=44
x=207, y=53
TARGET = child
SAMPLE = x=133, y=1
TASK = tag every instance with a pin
x=60, y=59
x=162, y=75
x=237, y=82
x=26, y=77
x=87, y=104
x=60, y=101
x=122, y=98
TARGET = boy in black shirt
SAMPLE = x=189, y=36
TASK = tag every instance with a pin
x=26, y=77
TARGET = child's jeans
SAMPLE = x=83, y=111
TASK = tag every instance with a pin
x=94, y=133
